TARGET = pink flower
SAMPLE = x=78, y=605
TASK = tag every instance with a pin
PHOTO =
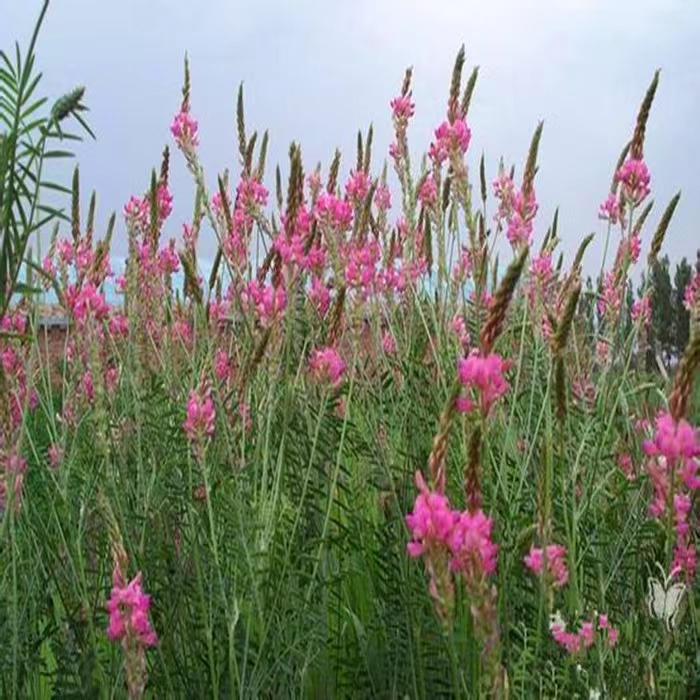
x=459, y=328
x=320, y=296
x=577, y=642
x=402, y=108
x=164, y=202
x=222, y=365
x=520, y=225
x=55, y=453
x=269, y=301
x=474, y=552
x=427, y=194
x=333, y=211
x=624, y=461
x=201, y=415
x=691, y=295
x=168, y=260
x=128, y=608
x=611, y=210
x=382, y=198
x=388, y=343
x=87, y=302
x=485, y=375
x=557, y=572
x=251, y=194
x=673, y=468
x=679, y=444
x=634, y=178
x=327, y=364
x=184, y=129
x=137, y=213
x=504, y=191
x=357, y=186
x=641, y=310
x=450, y=139
x=431, y=522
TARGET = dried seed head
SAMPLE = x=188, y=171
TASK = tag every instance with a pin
x=262, y=156
x=637, y=145
x=333, y=172
x=250, y=149
x=90, y=223
x=499, y=307
x=240, y=124
x=368, y=149
x=453, y=105
x=560, y=388
x=623, y=156
x=186, y=87
x=360, y=158
x=214, y=275
x=165, y=166
x=566, y=320
x=336, y=321
x=658, y=239
x=482, y=179
x=295, y=188
x=531, y=165
x=685, y=376
x=75, y=206
x=191, y=286
x=278, y=188
x=406, y=86
x=436, y=460
x=468, y=92
x=472, y=476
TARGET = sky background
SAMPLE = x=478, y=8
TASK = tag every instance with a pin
x=316, y=72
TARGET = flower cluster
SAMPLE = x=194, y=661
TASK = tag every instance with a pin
x=465, y=537
x=483, y=375
x=327, y=365
x=673, y=467
x=556, y=570
x=585, y=637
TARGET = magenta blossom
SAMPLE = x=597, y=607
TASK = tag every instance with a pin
x=185, y=130
x=327, y=364
x=128, y=608
x=485, y=376
x=556, y=563
x=634, y=178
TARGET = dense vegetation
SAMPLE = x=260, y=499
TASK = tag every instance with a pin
x=362, y=459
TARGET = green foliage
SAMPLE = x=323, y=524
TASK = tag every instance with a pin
x=26, y=147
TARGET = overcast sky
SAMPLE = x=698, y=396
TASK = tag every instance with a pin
x=315, y=72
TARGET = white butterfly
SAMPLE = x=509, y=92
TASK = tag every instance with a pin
x=664, y=599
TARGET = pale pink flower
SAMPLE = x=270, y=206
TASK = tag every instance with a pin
x=611, y=210
x=382, y=198
x=388, y=343
x=327, y=364
x=357, y=186
x=634, y=178
x=402, y=108
x=185, y=130
x=451, y=138
x=200, y=420
x=427, y=194
x=557, y=572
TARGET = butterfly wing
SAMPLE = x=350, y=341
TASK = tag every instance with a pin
x=656, y=600
x=672, y=601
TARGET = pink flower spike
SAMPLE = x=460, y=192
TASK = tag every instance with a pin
x=327, y=364
x=128, y=608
